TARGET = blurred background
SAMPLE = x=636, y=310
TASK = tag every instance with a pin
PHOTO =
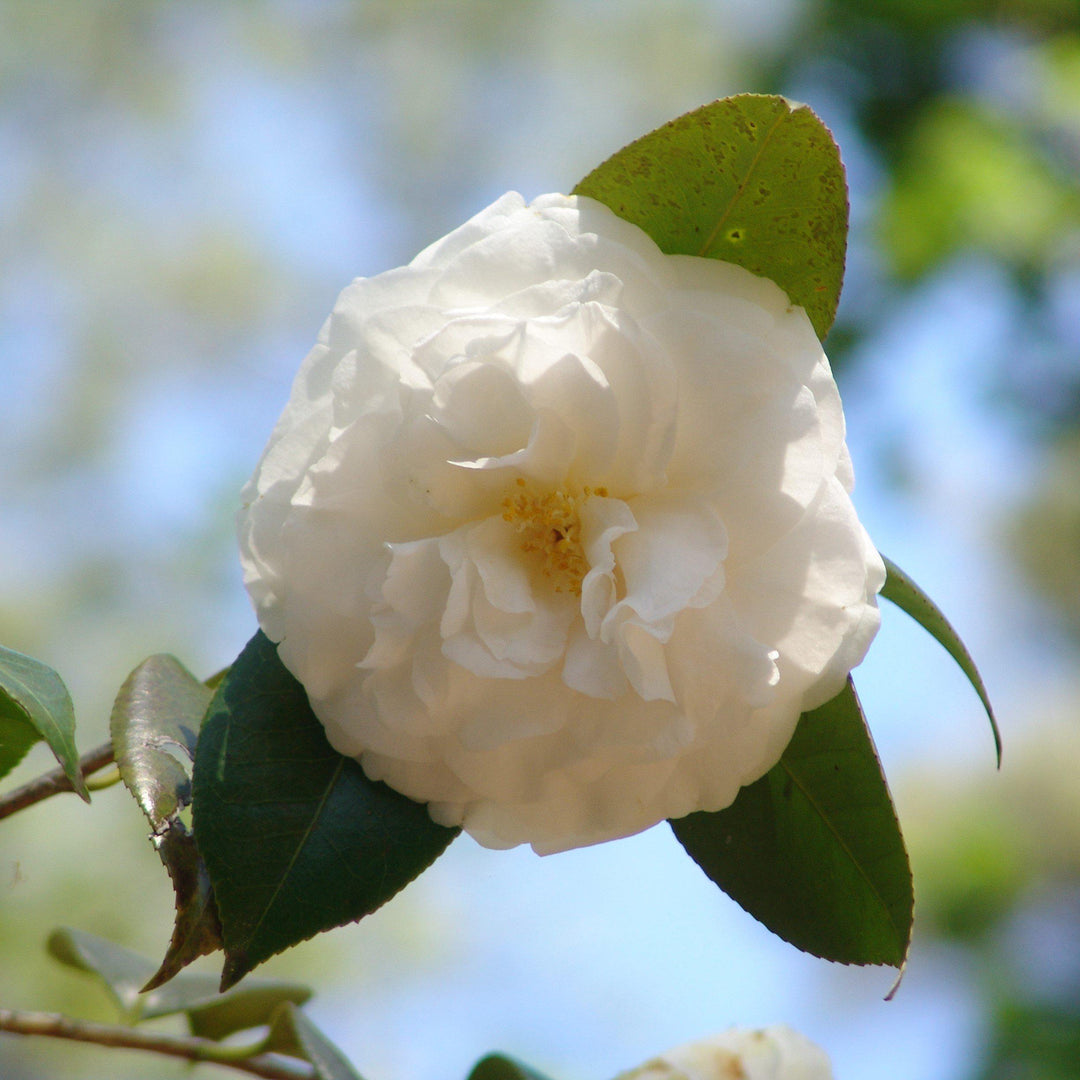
x=184, y=189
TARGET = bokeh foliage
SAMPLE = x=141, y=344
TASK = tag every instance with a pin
x=148, y=275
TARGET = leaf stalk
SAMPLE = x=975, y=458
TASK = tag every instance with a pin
x=53, y=782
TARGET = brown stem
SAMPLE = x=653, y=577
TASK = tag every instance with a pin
x=56, y=1026
x=54, y=782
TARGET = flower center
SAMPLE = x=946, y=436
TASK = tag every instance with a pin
x=550, y=528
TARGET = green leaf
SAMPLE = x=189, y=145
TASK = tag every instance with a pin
x=155, y=719
x=296, y=838
x=16, y=736
x=34, y=693
x=122, y=971
x=154, y=724
x=292, y=1033
x=500, y=1067
x=211, y=1014
x=813, y=849
x=754, y=180
x=907, y=596
x=219, y=1015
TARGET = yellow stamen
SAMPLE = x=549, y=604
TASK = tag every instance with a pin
x=550, y=529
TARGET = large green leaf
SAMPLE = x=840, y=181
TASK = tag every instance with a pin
x=154, y=725
x=754, y=180
x=907, y=596
x=210, y=1014
x=813, y=849
x=296, y=838
x=33, y=696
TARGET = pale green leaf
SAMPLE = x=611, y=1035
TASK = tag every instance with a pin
x=754, y=180
x=210, y=1014
x=32, y=691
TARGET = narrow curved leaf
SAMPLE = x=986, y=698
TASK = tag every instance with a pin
x=752, y=179
x=813, y=849
x=293, y=1033
x=907, y=596
x=32, y=692
x=154, y=725
x=296, y=838
x=210, y=1014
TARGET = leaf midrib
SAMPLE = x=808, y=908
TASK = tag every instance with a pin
x=844, y=847
x=741, y=189
x=283, y=877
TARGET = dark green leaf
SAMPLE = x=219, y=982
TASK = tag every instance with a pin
x=292, y=1033
x=154, y=725
x=17, y=735
x=500, y=1067
x=754, y=180
x=36, y=694
x=215, y=680
x=907, y=596
x=296, y=838
x=813, y=849
x=211, y=1014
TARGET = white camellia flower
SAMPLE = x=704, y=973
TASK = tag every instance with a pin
x=555, y=529
x=772, y=1053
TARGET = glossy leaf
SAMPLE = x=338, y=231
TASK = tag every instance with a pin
x=293, y=1033
x=296, y=838
x=907, y=596
x=155, y=721
x=210, y=1014
x=32, y=692
x=813, y=849
x=501, y=1067
x=754, y=180
x=154, y=724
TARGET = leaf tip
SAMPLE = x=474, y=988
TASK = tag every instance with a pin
x=236, y=967
x=898, y=980
x=159, y=978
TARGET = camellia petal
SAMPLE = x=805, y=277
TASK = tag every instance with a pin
x=556, y=529
x=773, y=1053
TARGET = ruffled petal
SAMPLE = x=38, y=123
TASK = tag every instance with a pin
x=556, y=529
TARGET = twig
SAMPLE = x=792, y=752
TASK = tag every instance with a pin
x=191, y=1048
x=54, y=782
